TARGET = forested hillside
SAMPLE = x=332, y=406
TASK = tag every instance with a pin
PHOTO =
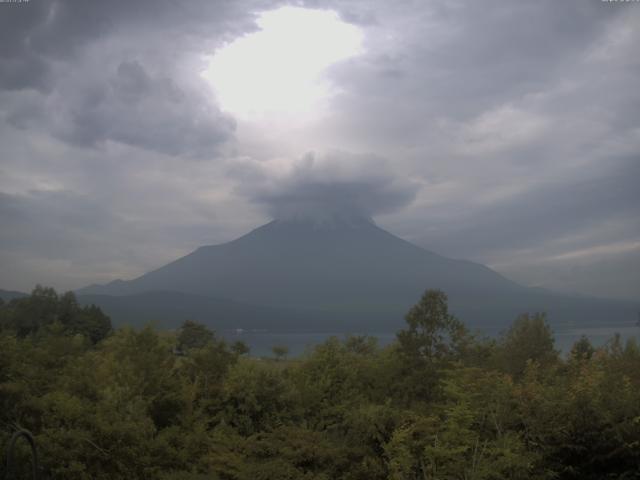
x=438, y=403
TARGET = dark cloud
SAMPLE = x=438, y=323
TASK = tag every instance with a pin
x=71, y=239
x=22, y=65
x=610, y=272
x=49, y=236
x=53, y=223
x=30, y=71
x=111, y=71
x=36, y=33
x=537, y=216
x=130, y=106
x=457, y=59
x=336, y=185
x=136, y=109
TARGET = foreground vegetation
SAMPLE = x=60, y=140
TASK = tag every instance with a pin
x=437, y=404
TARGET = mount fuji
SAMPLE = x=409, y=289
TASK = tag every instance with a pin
x=342, y=273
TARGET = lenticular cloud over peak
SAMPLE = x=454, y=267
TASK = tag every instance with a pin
x=337, y=185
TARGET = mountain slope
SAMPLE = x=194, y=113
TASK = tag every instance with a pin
x=298, y=263
x=8, y=295
x=170, y=309
x=355, y=273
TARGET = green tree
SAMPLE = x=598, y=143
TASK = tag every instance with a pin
x=432, y=334
x=45, y=311
x=256, y=397
x=361, y=344
x=27, y=315
x=193, y=335
x=94, y=324
x=433, y=339
x=240, y=348
x=582, y=349
x=529, y=339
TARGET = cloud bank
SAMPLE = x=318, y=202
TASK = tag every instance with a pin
x=336, y=185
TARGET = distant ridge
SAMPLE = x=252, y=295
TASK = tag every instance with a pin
x=8, y=295
x=170, y=309
x=346, y=271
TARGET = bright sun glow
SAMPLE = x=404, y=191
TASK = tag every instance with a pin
x=279, y=68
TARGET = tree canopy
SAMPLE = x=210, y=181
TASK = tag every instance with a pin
x=44, y=310
x=438, y=403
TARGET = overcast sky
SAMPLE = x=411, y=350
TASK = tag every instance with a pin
x=503, y=132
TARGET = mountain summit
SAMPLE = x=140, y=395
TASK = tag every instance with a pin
x=349, y=273
x=329, y=263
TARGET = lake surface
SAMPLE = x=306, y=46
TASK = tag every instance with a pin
x=261, y=342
